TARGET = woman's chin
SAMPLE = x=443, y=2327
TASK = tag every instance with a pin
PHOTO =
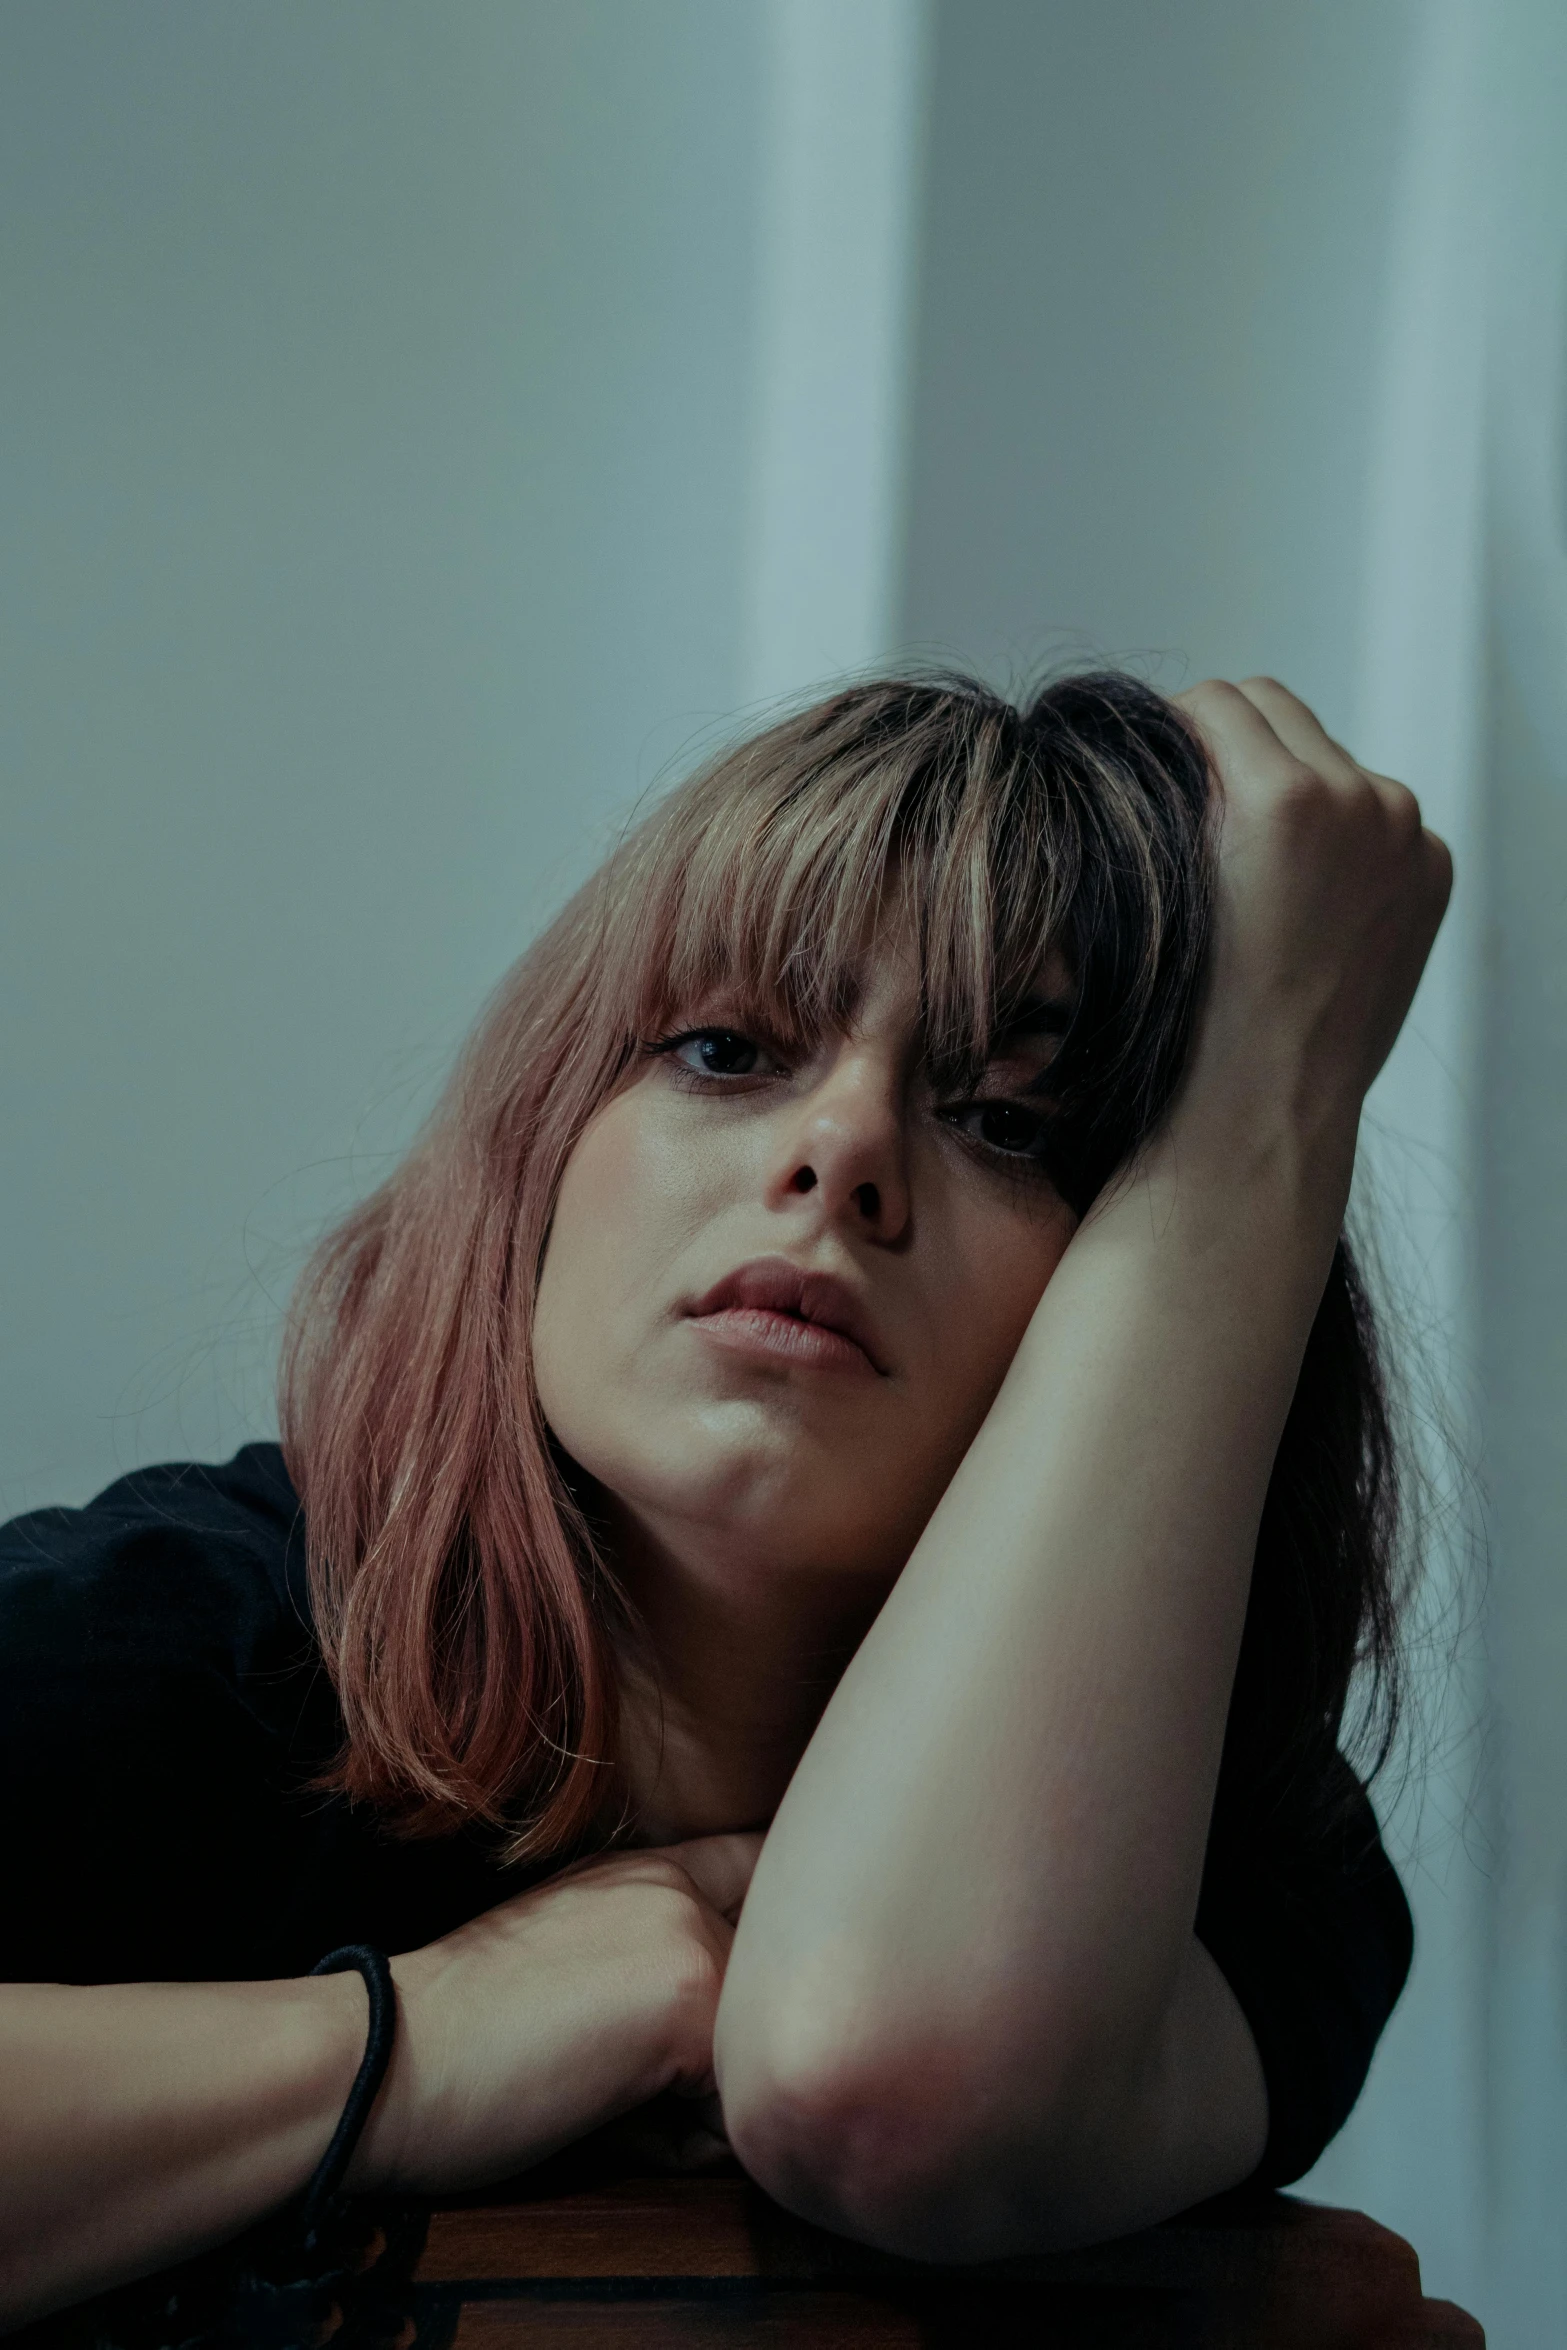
x=758, y=1508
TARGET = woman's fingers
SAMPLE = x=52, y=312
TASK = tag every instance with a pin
x=1260, y=726
x=679, y=2131
x=1439, y=873
x=1300, y=730
x=1237, y=732
x=1280, y=729
x=1302, y=733
x=720, y=1867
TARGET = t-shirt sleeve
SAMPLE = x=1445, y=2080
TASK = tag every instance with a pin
x=1311, y=1929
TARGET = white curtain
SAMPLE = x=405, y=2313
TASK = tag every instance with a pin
x=1461, y=2138
x=1413, y=2153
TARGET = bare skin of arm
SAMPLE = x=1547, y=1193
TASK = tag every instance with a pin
x=966, y=2014
x=143, y=2122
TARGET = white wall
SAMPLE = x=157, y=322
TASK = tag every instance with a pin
x=423, y=428
x=844, y=86
x=374, y=453
x=1155, y=253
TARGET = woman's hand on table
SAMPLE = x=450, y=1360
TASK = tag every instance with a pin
x=564, y=2008
x=683, y=2135
x=145, y=2122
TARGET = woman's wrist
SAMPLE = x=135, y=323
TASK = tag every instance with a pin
x=1254, y=1143
x=384, y=2159
x=332, y=2021
x=1227, y=1221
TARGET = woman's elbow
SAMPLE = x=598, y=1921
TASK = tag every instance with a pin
x=899, y=2153
x=841, y=2151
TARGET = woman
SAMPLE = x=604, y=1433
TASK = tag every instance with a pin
x=864, y=1357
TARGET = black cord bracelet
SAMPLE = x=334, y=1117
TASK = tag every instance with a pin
x=372, y=1964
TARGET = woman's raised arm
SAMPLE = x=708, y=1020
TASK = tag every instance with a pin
x=966, y=2013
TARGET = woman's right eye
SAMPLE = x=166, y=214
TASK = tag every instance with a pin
x=717, y=1052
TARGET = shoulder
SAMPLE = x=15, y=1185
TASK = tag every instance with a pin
x=161, y=1698
x=181, y=1564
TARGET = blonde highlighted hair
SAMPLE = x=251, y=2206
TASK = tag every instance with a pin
x=462, y=1604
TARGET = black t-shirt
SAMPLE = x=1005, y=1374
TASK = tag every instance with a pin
x=164, y=1708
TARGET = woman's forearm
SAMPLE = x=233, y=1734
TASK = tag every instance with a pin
x=143, y=2122
x=991, y=1934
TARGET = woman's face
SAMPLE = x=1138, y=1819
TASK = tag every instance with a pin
x=781, y=1292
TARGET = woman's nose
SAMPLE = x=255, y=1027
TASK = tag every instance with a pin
x=846, y=1150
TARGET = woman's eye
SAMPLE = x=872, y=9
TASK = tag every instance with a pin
x=717, y=1052
x=1003, y=1126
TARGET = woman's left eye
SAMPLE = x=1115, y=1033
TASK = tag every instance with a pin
x=1009, y=1127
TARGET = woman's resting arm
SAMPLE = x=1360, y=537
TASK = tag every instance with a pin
x=142, y=2122
x=966, y=2014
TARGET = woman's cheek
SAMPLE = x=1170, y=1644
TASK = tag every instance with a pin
x=633, y=1198
x=583, y=1272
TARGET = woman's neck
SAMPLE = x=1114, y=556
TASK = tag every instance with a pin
x=723, y=1682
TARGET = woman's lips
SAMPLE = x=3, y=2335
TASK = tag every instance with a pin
x=783, y=1337
x=792, y=1313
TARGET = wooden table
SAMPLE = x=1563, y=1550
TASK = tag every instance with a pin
x=711, y=2260
x=584, y=2256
